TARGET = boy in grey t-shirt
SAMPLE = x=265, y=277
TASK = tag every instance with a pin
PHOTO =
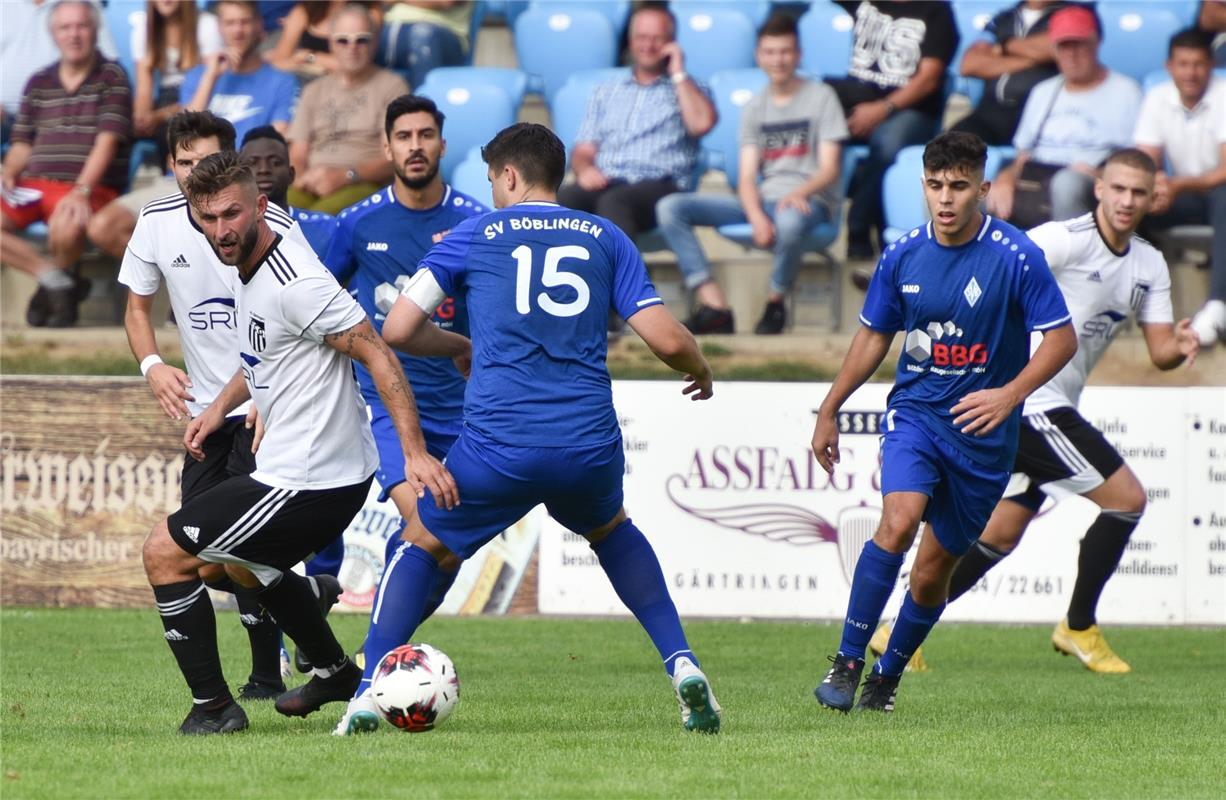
x=787, y=182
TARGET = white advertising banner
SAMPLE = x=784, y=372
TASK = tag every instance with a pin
x=746, y=524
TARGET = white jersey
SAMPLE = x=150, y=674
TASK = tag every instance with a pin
x=168, y=245
x=1101, y=289
x=317, y=434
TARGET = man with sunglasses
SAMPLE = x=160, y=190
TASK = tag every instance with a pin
x=336, y=144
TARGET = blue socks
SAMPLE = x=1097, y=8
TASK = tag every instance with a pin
x=633, y=569
x=876, y=573
x=442, y=583
x=399, y=604
x=910, y=629
x=328, y=561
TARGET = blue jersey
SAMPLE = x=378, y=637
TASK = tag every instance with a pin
x=317, y=227
x=967, y=311
x=539, y=280
x=376, y=250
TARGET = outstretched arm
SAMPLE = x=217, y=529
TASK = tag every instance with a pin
x=421, y=470
x=1171, y=345
x=868, y=349
x=675, y=346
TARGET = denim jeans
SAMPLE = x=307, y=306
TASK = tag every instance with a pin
x=902, y=129
x=1199, y=209
x=680, y=213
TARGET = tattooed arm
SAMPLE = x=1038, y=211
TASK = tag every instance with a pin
x=363, y=345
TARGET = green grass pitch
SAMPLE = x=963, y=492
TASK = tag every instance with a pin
x=581, y=709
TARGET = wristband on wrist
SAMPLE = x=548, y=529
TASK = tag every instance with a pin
x=149, y=362
x=678, y=78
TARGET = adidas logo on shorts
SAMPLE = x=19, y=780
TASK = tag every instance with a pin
x=173, y=635
x=192, y=532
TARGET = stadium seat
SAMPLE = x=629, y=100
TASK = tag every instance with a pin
x=972, y=18
x=756, y=10
x=714, y=38
x=511, y=81
x=569, y=104
x=120, y=16
x=553, y=45
x=902, y=193
x=471, y=177
x=1136, y=36
x=825, y=40
x=731, y=89
x=617, y=11
x=474, y=114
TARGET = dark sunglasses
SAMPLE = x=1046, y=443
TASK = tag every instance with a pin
x=345, y=41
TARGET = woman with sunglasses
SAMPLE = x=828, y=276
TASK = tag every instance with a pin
x=303, y=47
x=336, y=144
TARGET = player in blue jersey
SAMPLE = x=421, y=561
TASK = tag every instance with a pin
x=539, y=425
x=967, y=289
x=268, y=153
x=377, y=247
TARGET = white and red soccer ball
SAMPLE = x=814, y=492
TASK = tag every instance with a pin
x=415, y=687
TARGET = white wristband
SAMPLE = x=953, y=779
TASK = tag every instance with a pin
x=149, y=362
x=678, y=78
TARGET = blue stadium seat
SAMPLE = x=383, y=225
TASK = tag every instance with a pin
x=972, y=17
x=474, y=114
x=825, y=40
x=731, y=89
x=118, y=16
x=512, y=82
x=714, y=38
x=569, y=104
x=617, y=11
x=553, y=45
x=903, y=195
x=756, y=10
x=1136, y=36
x=471, y=177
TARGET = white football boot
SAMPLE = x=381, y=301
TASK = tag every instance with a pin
x=699, y=709
x=360, y=716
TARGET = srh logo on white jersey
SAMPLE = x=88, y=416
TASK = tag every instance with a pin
x=255, y=333
x=380, y=247
x=214, y=313
x=192, y=532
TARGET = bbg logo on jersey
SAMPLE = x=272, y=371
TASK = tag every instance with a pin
x=933, y=342
x=214, y=313
x=255, y=333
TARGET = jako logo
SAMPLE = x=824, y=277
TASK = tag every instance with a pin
x=910, y=288
x=379, y=246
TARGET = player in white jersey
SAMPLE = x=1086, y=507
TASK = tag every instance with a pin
x=298, y=330
x=167, y=246
x=1106, y=274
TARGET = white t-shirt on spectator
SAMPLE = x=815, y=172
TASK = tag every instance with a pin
x=1080, y=126
x=1191, y=139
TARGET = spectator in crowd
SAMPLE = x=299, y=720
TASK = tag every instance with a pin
x=639, y=139
x=268, y=154
x=305, y=37
x=336, y=139
x=69, y=157
x=1212, y=19
x=175, y=37
x=1018, y=58
x=274, y=12
x=893, y=96
x=790, y=140
x=26, y=46
x=1069, y=125
x=236, y=83
x=423, y=34
x=1183, y=124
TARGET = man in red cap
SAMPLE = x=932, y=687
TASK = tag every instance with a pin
x=1070, y=124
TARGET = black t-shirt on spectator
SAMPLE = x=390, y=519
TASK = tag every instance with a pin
x=1011, y=90
x=890, y=39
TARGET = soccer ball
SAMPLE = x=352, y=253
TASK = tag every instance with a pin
x=415, y=687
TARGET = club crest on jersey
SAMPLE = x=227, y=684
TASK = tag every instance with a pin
x=972, y=292
x=1139, y=290
x=255, y=333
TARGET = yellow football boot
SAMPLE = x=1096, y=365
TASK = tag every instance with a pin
x=1090, y=648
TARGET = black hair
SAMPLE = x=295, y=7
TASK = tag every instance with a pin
x=780, y=24
x=955, y=151
x=189, y=126
x=532, y=149
x=410, y=104
x=1191, y=39
x=264, y=132
x=1132, y=157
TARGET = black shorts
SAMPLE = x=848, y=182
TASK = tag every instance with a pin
x=267, y=530
x=1059, y=448
x=227, y=452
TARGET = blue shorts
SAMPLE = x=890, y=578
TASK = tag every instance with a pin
x=391, y=456
x=961, y=493
x=581, y=488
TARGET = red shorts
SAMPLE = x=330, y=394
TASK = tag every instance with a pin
x=53, y=192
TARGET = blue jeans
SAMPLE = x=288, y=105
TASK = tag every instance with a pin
x=415, y=48
x=678, y=214
x=903, y=129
